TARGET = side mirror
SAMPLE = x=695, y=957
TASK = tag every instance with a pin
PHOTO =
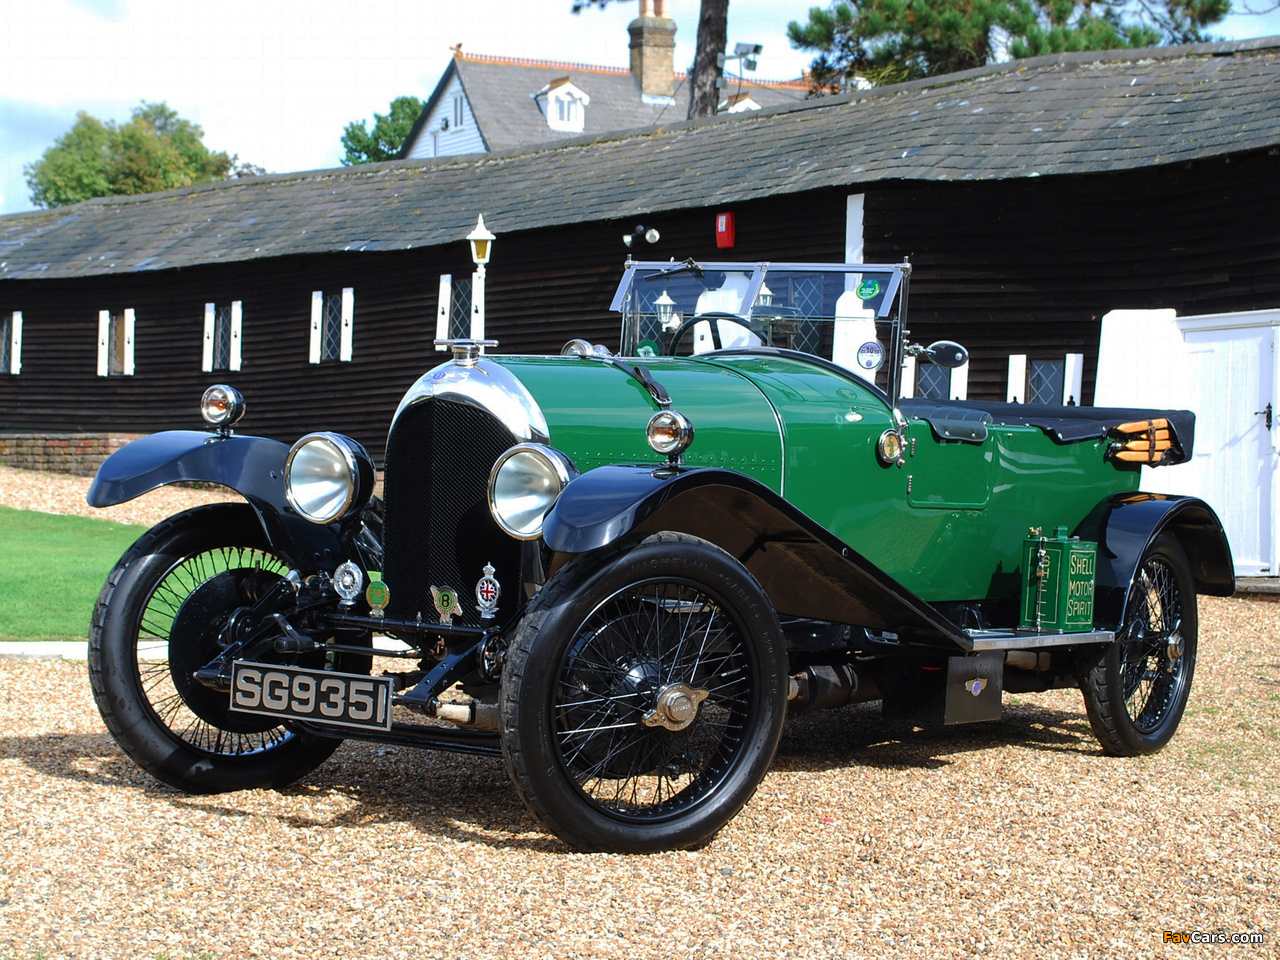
x=946, y=354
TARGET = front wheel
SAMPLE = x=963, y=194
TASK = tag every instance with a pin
x=159, y=618
x=643, y=696
x=1136, y=687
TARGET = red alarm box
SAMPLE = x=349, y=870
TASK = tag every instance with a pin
x=724, y=230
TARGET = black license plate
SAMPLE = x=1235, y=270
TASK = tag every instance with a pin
x=344, y=699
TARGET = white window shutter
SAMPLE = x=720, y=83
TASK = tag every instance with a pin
x=960, y=382
x=233, y=362
x=348, y=316
x=1017, y=378
x=206, y=349
x=15, y=343
x=908, y=387
x=129, y=322
x=1073, y=379
x=104, y=334
x=317, y=323
x=444, y=311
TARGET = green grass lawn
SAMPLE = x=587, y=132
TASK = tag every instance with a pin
x=53, y=569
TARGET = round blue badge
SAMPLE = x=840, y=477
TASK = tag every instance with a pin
x=871, y=355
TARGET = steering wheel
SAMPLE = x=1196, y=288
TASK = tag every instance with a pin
x=712, y=316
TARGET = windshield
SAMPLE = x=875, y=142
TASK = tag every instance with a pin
x=842, y=312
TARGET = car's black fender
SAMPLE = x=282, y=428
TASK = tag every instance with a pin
x=1125, y=524
x=251, y=466
x=805, y=570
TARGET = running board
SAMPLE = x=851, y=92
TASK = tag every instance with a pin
x=1031, y=639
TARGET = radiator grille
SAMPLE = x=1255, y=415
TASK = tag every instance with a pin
x=439, y=531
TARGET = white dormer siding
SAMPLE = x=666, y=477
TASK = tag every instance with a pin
x=450, y=129
x=740, y=103
x=564, y=105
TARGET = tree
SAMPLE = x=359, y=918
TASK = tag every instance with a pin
x=713, y=35
x=887, y=41
x=390, y=131
x=155, y=150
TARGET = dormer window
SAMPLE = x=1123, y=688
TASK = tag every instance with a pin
x=564, y=105
x=739, y=103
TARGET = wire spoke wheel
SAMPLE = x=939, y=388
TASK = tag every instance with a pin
x=1136, y=688
x=164, y=613
x=631, y=750
x=179, y=631
x=643, y=695
x=1152, y=665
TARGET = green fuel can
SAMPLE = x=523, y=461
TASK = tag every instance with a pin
x=1057, y=582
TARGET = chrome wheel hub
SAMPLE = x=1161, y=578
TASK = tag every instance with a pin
x=676, y=707
x=1174, y=649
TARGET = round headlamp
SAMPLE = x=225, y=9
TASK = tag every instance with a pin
x=669, y=433
x=525, y=482
x=328, y=477
x=221, y=405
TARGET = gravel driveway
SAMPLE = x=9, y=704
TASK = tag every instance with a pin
x=868, y=838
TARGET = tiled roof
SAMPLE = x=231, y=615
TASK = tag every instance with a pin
x=1068, y=114
x=500, y=93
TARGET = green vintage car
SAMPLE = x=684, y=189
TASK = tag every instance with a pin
x=623, y=571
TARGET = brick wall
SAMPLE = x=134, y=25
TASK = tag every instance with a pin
x=75, y=453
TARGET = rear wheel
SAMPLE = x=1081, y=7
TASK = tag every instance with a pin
x=159, y=617
x=1136, y=688
x=643, y=696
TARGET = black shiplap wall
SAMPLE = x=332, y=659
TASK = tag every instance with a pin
x=1026, y=266
x=1031, y=266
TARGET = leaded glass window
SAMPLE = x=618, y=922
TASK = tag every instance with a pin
x=933, y=382
x=1045, y=380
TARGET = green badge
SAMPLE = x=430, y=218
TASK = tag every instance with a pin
x=447, y=605
x=378, y=595
x=647, y=348
x=867, y=289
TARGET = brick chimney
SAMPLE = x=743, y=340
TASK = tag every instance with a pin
x=653, y=44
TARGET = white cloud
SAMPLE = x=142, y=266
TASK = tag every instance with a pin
x=277, y=80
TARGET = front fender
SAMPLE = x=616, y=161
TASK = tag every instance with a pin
x=1124, y=526
x=251, y=466
x=806, y=570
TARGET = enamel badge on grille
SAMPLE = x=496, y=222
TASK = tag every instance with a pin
x=447, y=605
x=488, y=590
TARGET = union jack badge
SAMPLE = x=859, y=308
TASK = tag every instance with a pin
x=447, y=605
x=488, y=590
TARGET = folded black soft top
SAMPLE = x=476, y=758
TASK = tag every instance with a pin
x=967, y=419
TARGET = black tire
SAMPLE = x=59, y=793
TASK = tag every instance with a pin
x=173, y=590
x=1136, y=687
x=606, y=645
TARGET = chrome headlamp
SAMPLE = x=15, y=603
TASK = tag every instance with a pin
x=669, y=433
x=524, y=484
x=328, y=477
x=221, y=406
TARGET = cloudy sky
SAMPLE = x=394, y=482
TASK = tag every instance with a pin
x=275, y=81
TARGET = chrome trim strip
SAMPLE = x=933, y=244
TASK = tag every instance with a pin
x=1030, y=640
x=486, y=386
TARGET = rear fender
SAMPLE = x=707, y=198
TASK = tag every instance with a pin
x=251, y=466
x=1124, y=526
x=806, y=571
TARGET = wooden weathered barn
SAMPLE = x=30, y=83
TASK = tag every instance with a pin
x=1031, y=197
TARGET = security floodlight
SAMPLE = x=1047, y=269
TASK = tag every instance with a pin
x=640, y=233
